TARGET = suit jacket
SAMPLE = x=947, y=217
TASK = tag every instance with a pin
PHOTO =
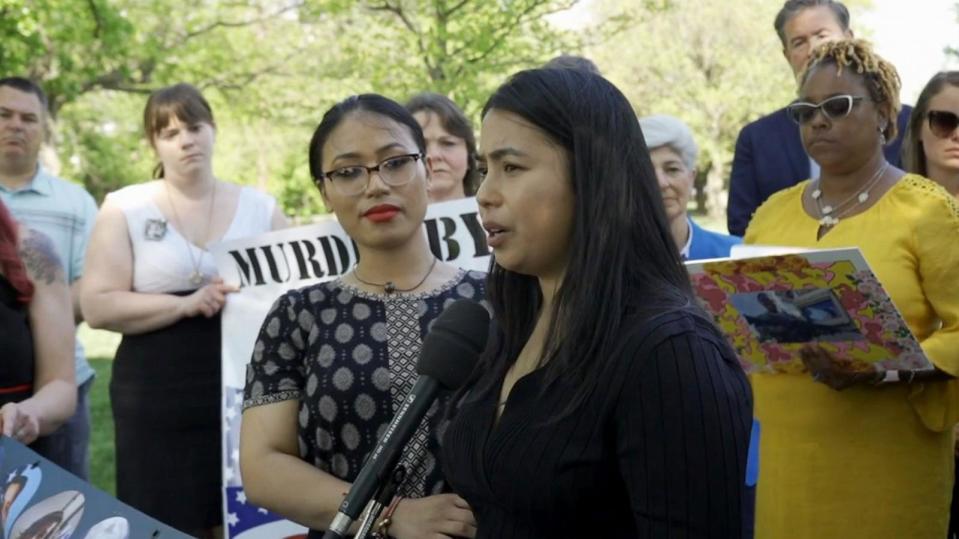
x=708, y=244
x=770, y=157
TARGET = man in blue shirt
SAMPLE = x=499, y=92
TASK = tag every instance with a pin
x=65, y=213
x=769, y=153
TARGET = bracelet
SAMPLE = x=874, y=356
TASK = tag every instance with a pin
x=383, y=526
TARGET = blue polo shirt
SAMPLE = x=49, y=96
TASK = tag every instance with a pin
x=65, y=212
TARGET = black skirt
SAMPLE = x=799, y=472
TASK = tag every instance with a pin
x=165, y=394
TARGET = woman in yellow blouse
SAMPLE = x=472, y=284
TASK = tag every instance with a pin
x=931, y=148
x=845, y=455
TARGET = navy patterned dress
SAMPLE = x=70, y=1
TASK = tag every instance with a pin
x=349, y=357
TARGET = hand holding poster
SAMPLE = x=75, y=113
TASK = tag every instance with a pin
x=770, y=307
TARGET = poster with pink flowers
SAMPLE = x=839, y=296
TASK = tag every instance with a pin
x=770, y=307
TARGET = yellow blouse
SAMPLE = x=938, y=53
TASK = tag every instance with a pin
x=868, y=461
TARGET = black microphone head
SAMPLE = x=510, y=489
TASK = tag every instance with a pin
x=454, y=343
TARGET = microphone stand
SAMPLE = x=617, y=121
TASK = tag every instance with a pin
x=382, y=499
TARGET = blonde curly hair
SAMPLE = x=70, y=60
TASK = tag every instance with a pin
x=880, y=76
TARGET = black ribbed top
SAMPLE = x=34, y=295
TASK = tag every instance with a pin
x=657, y=450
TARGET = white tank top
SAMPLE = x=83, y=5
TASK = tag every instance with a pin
x=161, y=256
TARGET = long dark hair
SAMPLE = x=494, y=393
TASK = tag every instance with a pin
x=913, y=155
x=623, y=264
x=455, y=122
x=373, y=103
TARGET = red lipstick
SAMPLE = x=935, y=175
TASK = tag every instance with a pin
x=381, y=213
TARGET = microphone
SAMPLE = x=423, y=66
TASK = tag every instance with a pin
x=450, y=351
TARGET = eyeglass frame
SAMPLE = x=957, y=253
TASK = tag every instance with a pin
x=851, y=99
x=417, y=156
x=948, y=134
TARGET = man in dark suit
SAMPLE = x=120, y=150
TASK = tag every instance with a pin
x=769, y=153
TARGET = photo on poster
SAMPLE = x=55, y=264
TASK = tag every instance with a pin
x=111, y=528
x=55, y=517
x=19, y=486
x=796, y=316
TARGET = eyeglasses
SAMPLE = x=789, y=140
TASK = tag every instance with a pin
x=942, y=123
x=835, y=107
x=394, y=171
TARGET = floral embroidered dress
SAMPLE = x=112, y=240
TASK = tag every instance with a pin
x=349, y=357
x=867, y=461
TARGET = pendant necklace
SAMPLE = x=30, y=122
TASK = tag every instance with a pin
x=196, y=278
x=389, y=287
x=829, y=215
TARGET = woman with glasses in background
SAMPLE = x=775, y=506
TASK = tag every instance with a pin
x=334, y=360
x=862, y=455
x=931, y=149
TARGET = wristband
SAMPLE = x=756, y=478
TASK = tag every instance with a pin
x=383, y=527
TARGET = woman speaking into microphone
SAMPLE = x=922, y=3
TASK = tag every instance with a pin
x=607, y=404
x=334, y=361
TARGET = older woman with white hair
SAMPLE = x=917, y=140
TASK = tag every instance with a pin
x=673, y=151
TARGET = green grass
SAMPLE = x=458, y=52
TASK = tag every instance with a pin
x=100, y=348
x=102, y=451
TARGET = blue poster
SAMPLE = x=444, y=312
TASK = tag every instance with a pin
x=40, y=500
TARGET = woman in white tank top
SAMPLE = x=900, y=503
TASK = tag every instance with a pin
x=149, y=275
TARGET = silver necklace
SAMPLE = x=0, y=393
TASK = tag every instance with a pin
x=196, y=278
x=389, y=286
x=829, y=215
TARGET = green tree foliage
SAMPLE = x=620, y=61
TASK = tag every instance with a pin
x=66, y=44
x=460, y=48
x=268, y=67
x=715, y=65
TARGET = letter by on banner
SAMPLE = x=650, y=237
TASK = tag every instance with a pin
x=449, y=231
x=477, y=233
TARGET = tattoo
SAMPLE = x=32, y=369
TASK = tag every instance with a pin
x=39, y=257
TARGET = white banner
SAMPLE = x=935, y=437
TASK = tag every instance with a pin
x=266, y=266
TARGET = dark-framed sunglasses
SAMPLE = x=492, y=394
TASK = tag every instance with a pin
x=838, y=106
x=942, y=123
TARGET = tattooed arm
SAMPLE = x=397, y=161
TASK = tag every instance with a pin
x=51, y=322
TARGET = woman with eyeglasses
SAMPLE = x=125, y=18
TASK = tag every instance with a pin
x=334, y=360
x=931, y=149
x=862, y=455
x=607, y=404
